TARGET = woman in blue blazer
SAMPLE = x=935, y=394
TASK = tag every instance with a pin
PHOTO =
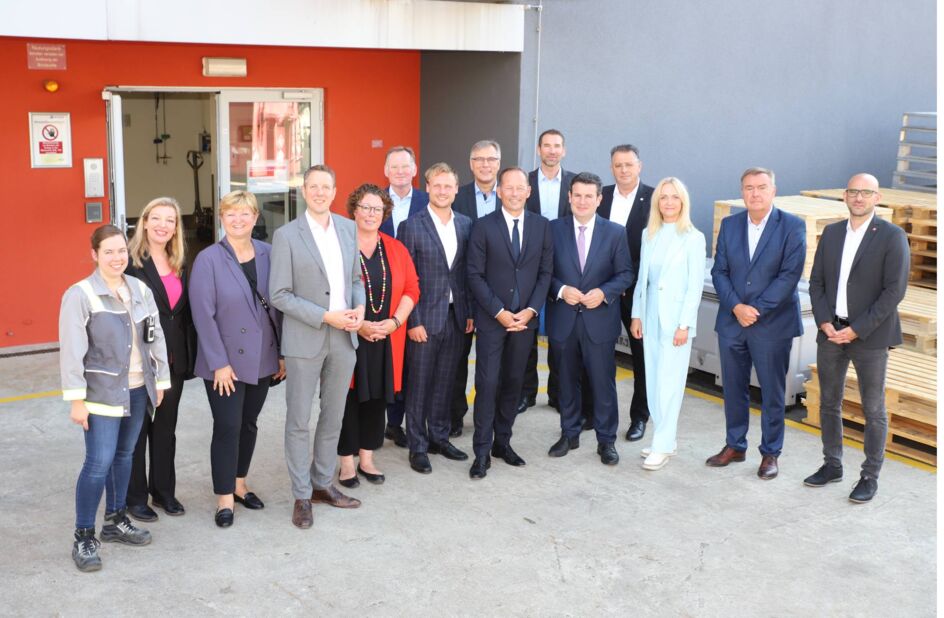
x=665, y=309
x=237, y=346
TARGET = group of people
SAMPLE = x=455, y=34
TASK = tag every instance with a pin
x=376, y=313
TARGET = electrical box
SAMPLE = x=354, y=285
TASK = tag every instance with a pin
x=94, y=178
x=93, y=212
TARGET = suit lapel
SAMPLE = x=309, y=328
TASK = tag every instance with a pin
x=157, y=285
x=525, y=238
x=595, y=243
x=427, y=219
x=236, y=269
x=870, y=233
x=769, y=230
x=461, y=233
x=305, y=234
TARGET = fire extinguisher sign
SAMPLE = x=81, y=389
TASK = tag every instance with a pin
x=50, y=139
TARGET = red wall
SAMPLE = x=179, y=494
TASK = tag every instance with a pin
x=369, y=94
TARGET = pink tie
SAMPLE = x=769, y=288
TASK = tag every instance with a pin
x=582, y=246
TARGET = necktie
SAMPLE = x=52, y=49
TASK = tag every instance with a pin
x=582, y=246
x=515, y=242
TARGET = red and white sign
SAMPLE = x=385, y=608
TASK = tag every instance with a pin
x=50, y=140
x=46, y=56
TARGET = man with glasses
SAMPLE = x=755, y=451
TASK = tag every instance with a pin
x=474, y=200
x=860, y=274
x=758, y=263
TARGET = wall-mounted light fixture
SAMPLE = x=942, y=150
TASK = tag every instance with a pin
x=224, y=67
x=50, y=85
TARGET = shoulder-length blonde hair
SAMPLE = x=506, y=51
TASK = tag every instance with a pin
x=684, y=223
x=138, y=248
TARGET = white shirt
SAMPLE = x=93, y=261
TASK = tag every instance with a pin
x=510, y=222
x=329, y=246
x=622, y=206
x=401, y=208
x=447, y=236
x=849, y=248
x=549, y=191
x=754, y=232
x=587, y=236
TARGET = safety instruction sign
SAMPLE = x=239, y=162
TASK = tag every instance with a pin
x=50, y=139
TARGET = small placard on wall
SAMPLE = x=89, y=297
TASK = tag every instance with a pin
x=46, y=56
x=50, y=139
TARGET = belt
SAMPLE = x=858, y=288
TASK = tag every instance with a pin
x=844, y=322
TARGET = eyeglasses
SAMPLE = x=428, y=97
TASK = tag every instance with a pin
x=370, y=210
x=489, y=160
x=866, y=193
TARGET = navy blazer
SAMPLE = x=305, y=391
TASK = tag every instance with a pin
x=418, y=234
x=877, y=282
x=232, y=327
x=563, y=203
x=768, y=282
x=418, y=201
x=638, y=216
x=608, y=267
x=494, y=274
x=467, y=204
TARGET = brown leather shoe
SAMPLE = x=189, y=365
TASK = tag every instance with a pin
x=768, y=467
x=301, y=514
x=726, y=456
x=332, y=496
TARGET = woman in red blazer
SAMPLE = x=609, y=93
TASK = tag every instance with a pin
x=392, y=290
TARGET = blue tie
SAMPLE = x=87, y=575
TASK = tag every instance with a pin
x=515, y=242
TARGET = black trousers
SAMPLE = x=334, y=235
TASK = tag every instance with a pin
x=362, y=426
x=161, y=433
x=234, y=431
x=460, y=401
x=497, y=386
x=530, y=386
x=639, y=408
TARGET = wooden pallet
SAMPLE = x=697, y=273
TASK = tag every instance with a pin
x=923, y=256
x=904, y=203
x=910, y=399
x=918, y=315
x=817, y=213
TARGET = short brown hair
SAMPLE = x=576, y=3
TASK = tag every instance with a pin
x=440, y=168
x=319, y=168
x=103, y=232
x=753, y=171
x=550, y=132
x=368, y=189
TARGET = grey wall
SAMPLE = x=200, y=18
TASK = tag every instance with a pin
x=814, y=90
x=466, y=97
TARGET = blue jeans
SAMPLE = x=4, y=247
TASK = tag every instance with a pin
x=109, y=445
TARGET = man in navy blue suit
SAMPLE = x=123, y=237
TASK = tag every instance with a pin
x=437, y=239
x=592, y=269
x=400, y=170
x=510, y=260
x=758, y=263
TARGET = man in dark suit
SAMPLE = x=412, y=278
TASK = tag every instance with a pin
x=437, y=239
x=627, y=202
x=592, y=269
x=549, y=186
x=860, y=274
x=758, y=263
x=400, y=170
x=510, y=263
x=474, y=200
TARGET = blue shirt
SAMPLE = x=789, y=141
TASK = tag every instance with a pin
x=484, y=202
x=549, y=190
x=401, y=208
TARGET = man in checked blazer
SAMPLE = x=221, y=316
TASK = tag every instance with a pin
x=437, y=239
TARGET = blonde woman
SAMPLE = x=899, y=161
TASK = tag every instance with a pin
x=665, y=309
x=156, y=257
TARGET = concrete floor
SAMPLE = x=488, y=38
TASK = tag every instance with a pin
x=560, y=537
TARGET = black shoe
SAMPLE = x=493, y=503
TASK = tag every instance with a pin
x=376, y=479
x=456, y=430
x=350, y=483
x=825, y=474
x=250, y=501
x=552, y=402
x=479, y=467
x=447, y=450
x=142, y=512
x=119, y=529
x=587, y=423
x=864, y=490
x=608, y=454
x=525, y=403
x=396, y=434
x=637, y=429
x=564, y=445
x=420, y=463
x=85, y=550
x=224, y=518
x=508, y=454
x=172, y=507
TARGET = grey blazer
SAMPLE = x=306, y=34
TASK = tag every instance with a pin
x=299, y=287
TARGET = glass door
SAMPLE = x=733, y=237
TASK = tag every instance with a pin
x=268, y=138
x=116, y=160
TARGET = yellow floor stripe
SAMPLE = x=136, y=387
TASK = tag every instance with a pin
x=30, y=396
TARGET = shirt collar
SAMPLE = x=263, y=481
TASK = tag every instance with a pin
x=862, y=227
x=543, y=178
x=314, y=225
x=589, y=225
x=509, y=219
x=479, y=192
x=397, y=198
x=437, y=220
x=763, y=222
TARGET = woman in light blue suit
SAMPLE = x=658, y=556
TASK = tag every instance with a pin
x=665, y=309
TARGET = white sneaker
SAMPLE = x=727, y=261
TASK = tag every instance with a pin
x=648, y=451
x=655, y=461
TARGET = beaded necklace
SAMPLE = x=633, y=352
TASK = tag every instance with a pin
x=370, y=289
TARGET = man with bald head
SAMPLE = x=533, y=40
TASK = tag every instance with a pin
x=860, y=274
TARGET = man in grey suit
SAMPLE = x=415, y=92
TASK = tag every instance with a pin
x=860, y=274
x=316, y=282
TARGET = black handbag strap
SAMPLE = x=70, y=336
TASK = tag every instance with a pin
x=259, y=297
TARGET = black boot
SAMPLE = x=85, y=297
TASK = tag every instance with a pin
x=121, y=530
x=85, y=550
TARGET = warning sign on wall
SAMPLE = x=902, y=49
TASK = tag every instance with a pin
x=50, y=140
x=46, y=56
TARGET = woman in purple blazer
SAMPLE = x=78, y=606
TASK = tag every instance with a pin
x=238, y=346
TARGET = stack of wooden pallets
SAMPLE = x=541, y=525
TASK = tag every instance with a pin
x=911, y=400
x=817, y=213
x=916, y=213
x=918, y=315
